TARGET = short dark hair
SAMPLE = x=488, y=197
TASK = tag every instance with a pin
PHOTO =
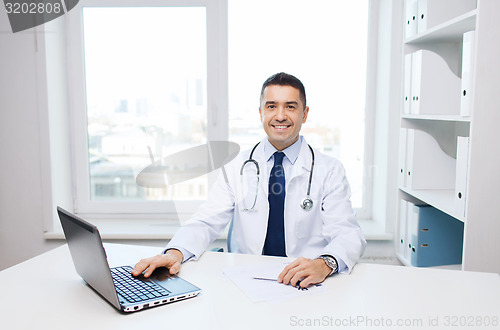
x=285, y=79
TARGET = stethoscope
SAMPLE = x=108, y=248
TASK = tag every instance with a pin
x=306, y=203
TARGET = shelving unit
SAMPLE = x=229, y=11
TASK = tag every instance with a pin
x=442, y=161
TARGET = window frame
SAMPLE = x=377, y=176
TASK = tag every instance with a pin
x=217, y=129
x=369, y=169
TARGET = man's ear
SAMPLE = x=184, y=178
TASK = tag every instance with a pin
x=306, y=112
x=260, y=113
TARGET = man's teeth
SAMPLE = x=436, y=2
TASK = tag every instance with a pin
x=280, y=126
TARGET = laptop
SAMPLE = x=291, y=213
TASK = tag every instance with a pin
x=117, y=285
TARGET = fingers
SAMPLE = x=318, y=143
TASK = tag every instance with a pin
x=148, y=265
x=175, y=268
x=307, y=281
x=293, y=272
x=307, y=271
x=155, y=263
x=141, y=266
x=285, y=272
x=289, y=268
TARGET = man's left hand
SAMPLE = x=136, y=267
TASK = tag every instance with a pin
x=308, y=271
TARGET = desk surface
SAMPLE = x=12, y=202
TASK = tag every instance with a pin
x=46, y=293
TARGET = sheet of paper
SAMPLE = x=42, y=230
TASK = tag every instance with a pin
x=258, y=290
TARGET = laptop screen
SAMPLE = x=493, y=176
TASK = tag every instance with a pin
x=88, y=254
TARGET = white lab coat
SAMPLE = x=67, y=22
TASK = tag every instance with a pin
x=329, y=227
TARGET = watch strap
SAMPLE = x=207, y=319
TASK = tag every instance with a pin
x=331, y=262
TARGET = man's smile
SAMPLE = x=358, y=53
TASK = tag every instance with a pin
x=281, y=126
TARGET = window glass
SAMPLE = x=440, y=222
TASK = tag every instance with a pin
x=145, y=74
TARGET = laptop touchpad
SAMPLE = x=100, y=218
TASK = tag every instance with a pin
x=172, y=283
x=161, y=274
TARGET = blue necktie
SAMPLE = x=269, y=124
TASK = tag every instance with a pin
x=275, y=238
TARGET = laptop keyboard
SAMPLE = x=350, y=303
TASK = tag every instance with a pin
x=134, y=290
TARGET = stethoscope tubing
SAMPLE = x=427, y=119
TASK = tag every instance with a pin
x=307, y=202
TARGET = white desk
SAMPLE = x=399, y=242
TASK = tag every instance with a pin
x=372, y=296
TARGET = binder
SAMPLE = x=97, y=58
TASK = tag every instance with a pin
x=437, y=238
x=402, y=157
x=467, y=73
x=409, y=229
x=407, y=84
x=405, y=231
x=402, y=228
x=427, y=165
x=461, y=175
x=411, y=11
x=435, y=89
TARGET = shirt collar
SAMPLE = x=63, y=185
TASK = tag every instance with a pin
x=291, y=152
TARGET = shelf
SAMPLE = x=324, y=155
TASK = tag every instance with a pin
x=451, y=31
x=448, y=118
x=443, y=200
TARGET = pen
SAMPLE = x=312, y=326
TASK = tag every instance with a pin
x=264, y=279
x=271, y=279
x=298, y=285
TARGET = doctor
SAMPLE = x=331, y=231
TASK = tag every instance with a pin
x=284, y=198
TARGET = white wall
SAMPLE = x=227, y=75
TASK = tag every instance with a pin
x=21, y=190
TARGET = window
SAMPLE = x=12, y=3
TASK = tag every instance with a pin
x=142, y=69
x=150, y=78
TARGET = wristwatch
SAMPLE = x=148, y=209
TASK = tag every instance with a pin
x=330, y=262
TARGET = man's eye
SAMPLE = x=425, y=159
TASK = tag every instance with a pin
x=291, y=106
x=271, y=106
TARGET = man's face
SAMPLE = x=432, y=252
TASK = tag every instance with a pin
x=282, y=114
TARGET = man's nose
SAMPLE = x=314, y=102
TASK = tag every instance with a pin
x=281, y=114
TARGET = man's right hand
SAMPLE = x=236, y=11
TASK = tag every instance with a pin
x=172, y=260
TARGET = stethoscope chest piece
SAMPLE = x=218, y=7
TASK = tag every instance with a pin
x=307, y=203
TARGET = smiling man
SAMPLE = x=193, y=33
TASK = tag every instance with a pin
x=283, y=110
x=299, y=209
